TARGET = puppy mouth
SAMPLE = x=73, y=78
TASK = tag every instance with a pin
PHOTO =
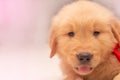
x=83, y=69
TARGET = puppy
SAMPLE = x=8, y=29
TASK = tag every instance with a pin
x=84, y=34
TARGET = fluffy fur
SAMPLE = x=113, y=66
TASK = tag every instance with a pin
x=84, y=18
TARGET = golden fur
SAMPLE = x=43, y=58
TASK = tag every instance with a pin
x=83, y=18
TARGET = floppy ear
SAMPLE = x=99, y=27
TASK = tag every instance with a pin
x=116, y=30
x=53, y=42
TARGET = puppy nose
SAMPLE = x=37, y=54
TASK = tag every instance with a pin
x=84, y=57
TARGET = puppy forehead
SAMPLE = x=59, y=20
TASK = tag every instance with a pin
x=79, y=25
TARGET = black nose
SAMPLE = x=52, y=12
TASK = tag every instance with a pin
x=84, y=57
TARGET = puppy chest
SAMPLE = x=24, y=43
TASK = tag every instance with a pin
x=98, y=78
x=102, y=76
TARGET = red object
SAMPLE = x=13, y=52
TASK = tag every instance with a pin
x=117, y=52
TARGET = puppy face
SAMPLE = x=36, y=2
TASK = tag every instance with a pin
x=84, y=43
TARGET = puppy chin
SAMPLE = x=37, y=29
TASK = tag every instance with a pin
x=83, y=69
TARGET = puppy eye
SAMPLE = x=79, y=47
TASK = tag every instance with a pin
x=96, y=33
x=71, y=34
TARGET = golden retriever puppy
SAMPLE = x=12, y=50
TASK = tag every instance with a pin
x=84, y=34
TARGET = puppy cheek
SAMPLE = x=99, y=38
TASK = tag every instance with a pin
x=72, y=60
x=101, y=56
x=97, y=57
x=96, y=60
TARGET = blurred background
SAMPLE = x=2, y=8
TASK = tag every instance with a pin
x=24, y=31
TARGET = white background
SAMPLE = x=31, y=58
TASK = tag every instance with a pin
x=24, y=30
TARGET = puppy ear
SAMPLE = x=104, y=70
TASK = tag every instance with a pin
x=116, y=29
x=53, y=43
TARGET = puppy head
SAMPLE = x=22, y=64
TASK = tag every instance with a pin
x=84, y=40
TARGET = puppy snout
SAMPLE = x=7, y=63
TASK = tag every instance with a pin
x=84, y=57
